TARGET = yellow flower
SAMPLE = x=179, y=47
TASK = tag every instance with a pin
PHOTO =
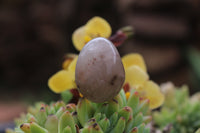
x=135, y=70
x=95, y=27
x=134, y=59
x=64, y=79
x=127, y=95
x=150, y=90
x=68, y=59
x=137, y=77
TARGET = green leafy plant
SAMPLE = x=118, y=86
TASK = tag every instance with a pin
x=118, y=115
x=179, y=109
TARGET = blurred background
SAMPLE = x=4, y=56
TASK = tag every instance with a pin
x=36, y=34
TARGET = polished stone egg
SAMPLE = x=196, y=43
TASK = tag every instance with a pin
x=99, y=73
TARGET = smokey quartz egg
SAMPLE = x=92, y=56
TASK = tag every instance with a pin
x=99, y=73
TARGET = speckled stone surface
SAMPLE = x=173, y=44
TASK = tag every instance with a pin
x=99, y=71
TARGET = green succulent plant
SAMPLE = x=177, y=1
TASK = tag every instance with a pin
x=118, y=115
x=179, y=109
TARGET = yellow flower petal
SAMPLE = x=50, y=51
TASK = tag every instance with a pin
x=78, y=38
x=151, y=91
x=95, y=27
x=127, y=95
x=66, y=63
x=68, y=59
x=134, y=59
x=87, y=38
x=135, y=76
x=72, y=65
x=62, y=81
x=81, y=95
x=98, y=27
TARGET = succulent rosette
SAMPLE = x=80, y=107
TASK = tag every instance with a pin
x=113, y=94
x=118, y=115
x=180, y=112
